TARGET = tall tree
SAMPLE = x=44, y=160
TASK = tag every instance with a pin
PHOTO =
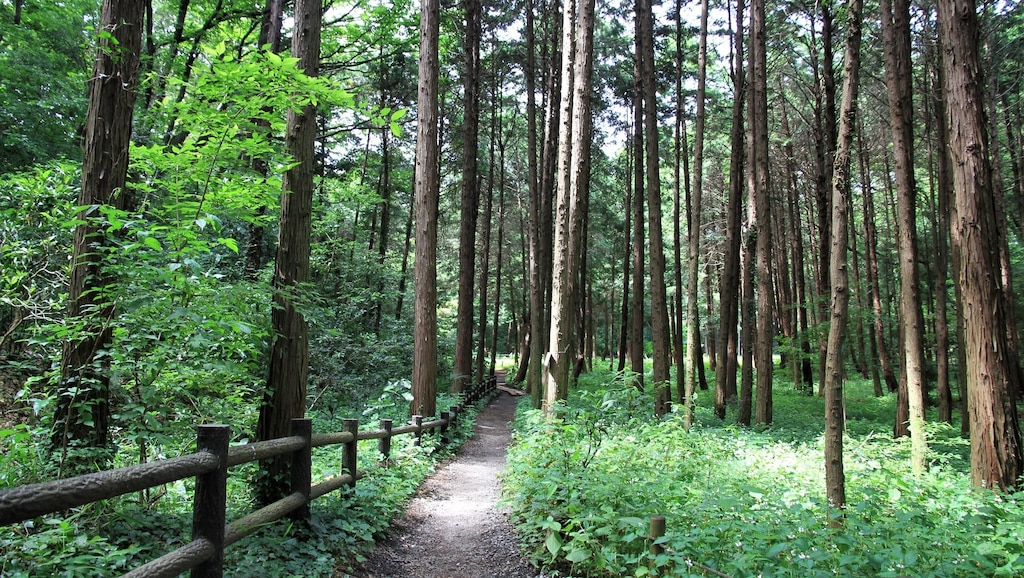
x=424, y=363
x=835, y=479
x=285, y=397
x=636, y=320
x=693, y=349
x=470, y=194
x=83, y=403
x=943, y=193
x=760, y=188
x=725, y=379
x=660, y=336
x=898, y=73
x=573, y=151
x=997, y=459
x=825, y=145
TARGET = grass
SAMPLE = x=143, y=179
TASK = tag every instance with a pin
x=748, y=501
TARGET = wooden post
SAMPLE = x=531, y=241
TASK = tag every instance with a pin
x=446, y=416
x=657, y=531
x=349, y=461
x=302, y=464
x=210, y=502
x=417, y=420
x=385, y=442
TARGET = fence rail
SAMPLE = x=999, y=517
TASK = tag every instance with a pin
x=211, y=533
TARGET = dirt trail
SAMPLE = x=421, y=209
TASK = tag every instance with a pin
x=452, y=527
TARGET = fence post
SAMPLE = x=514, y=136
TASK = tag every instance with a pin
x=447, y=418
x=454, y=412
x=657, y=531
x=349, y=461
x=302, y=464
x=210, y=502
x=385, y=442
x=417, y=420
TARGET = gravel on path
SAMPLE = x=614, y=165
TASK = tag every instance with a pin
x=452, y=528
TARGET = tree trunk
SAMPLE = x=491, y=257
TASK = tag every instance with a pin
x=81, y=418
x=725, y=379
x=624, y=322
x=760, y=185
x=871, y=246
x=462, y=369
x=679, y=138
x=896, y=42
x=835, y=478
x=501, y=246
x=485, y=265
x=636, y=322
x=424, y=366
x=997, y=459
x=825, y=144
x=574, y=151
x=693, y=221
x=803, y=379
x=285, y=397
x=660, y=337
x=944, y=192
x=531, y=357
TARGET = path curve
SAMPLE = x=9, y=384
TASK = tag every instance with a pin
x=452, y=528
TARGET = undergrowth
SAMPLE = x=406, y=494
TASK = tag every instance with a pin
x=747, y=501
x=110, y=538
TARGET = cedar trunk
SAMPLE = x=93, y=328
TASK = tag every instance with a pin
x=835, y=478
x=83, y=404
x=424, y=363
x=462, y=369
x=660, y=336
x=725, y=378
x=991, y=368
x=760, y=188
x=285, y=397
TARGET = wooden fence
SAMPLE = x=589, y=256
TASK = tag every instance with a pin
x=204, y=555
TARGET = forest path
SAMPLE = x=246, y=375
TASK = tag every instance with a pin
x=453, y=528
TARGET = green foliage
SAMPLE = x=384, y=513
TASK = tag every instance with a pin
x=35, y=207
x=59, y=548
x=43, y=72
x=583, y=487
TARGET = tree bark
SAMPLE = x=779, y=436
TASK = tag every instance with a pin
x=725, y=379
x=285, y=397
x=944, y=192
x=424, y=365
x=574, y=151
x=636, y=323
x=660, y=337
x=462, y=369
x=898, y=72
x=693, y=225
x=82, y=413
x=760, y=186
x=835, y=478
x=997, y=459
x=825, y=144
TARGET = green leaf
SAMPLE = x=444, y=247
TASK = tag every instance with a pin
x=553, y=543
x=152, y=243
x=229, y=243
x=578, y=555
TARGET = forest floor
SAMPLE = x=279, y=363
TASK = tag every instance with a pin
x=453, y=527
